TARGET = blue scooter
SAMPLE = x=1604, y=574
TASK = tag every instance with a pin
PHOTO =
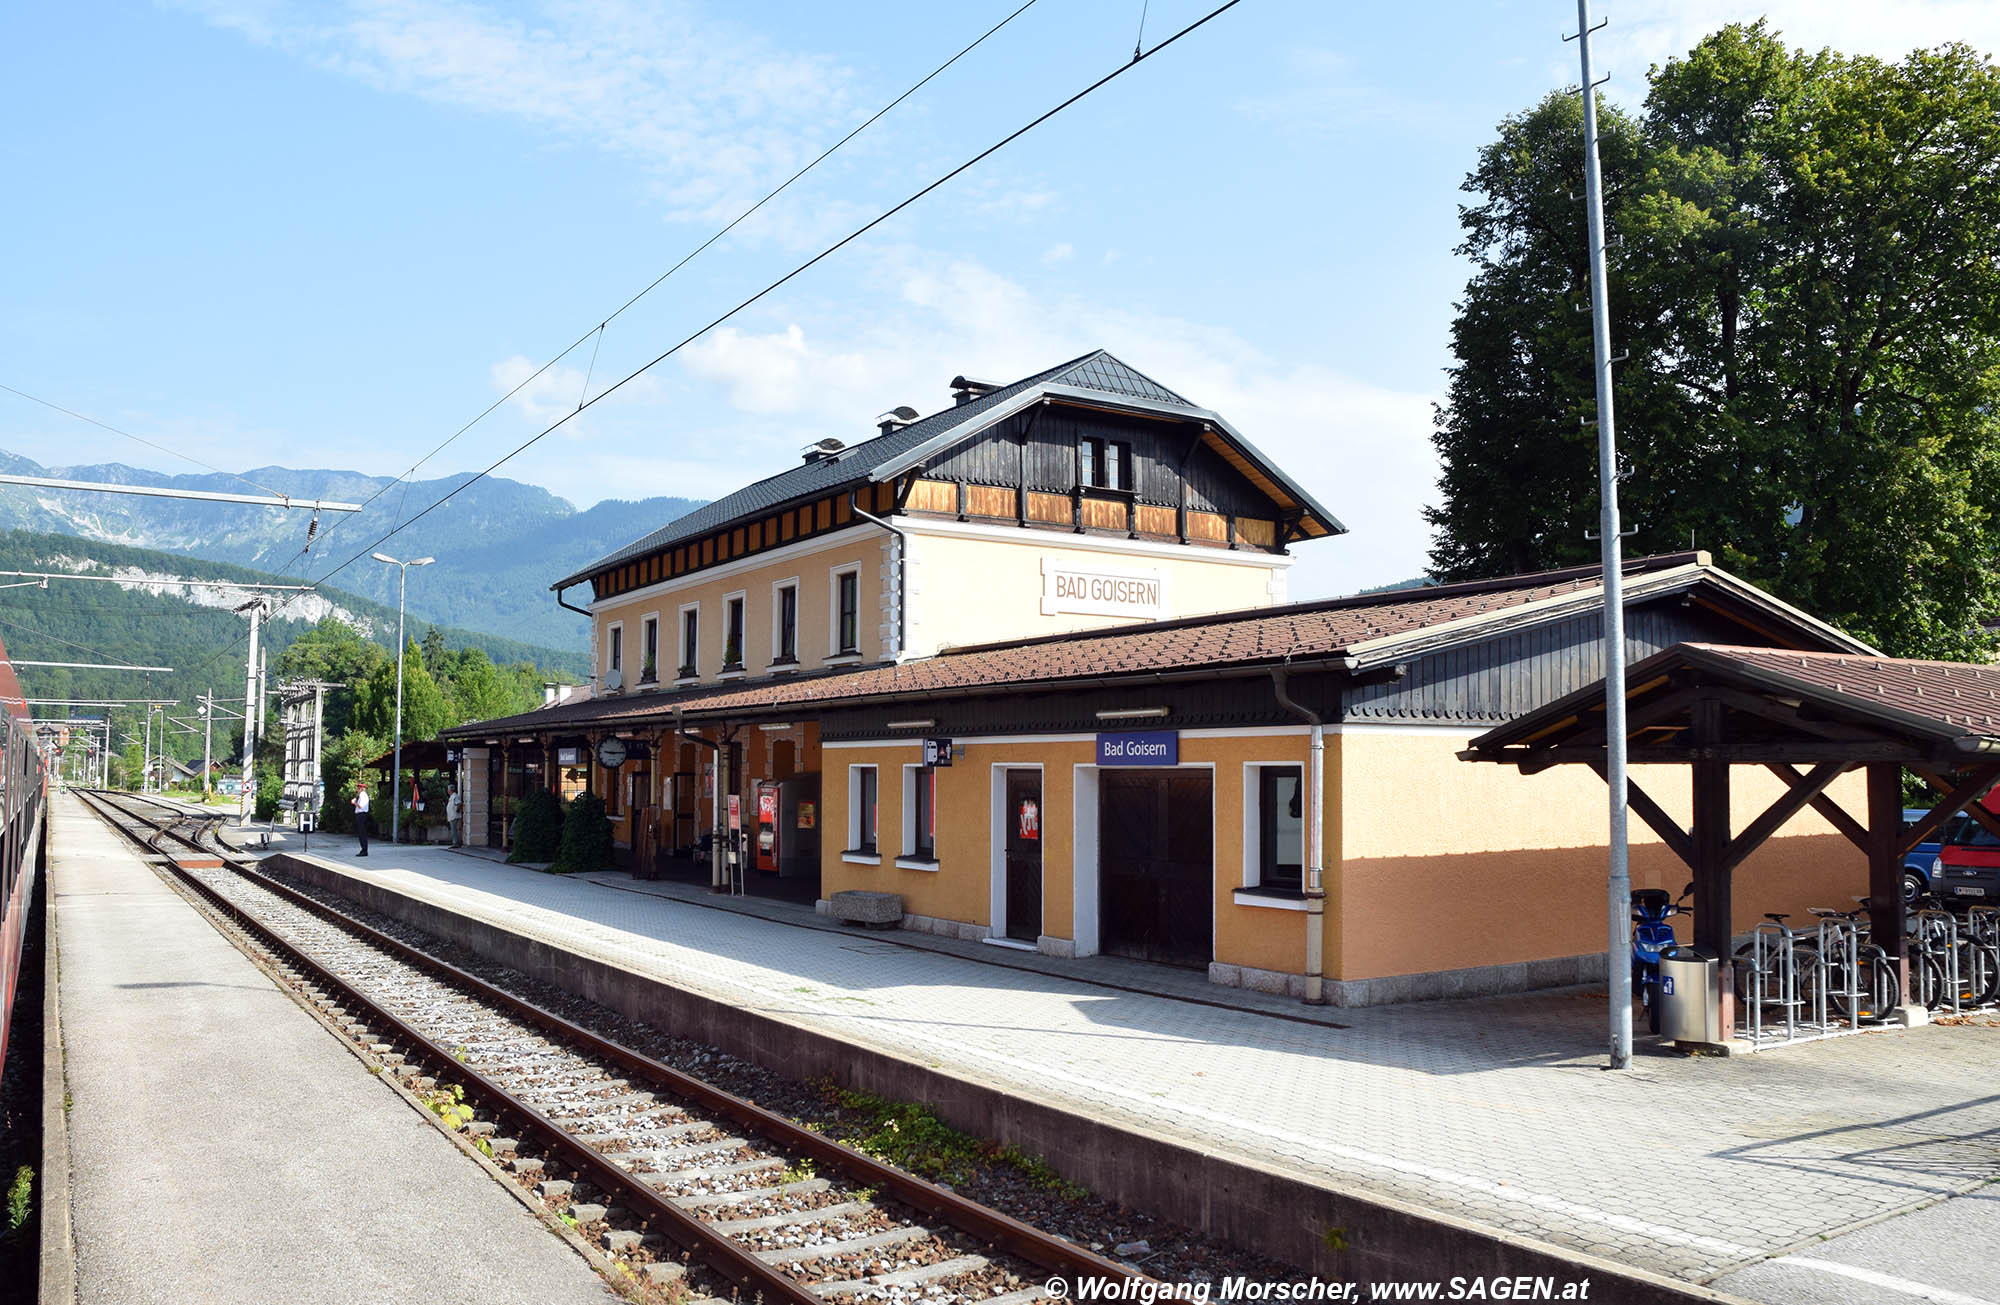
x=1651, y=937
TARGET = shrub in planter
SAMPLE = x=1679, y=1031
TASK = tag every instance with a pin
x=538, y=828
x=586, y=837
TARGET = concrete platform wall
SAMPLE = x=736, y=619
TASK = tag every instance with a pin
x=1336, y=1234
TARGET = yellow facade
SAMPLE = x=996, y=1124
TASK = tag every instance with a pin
x=1431, y=864
x=812, y=567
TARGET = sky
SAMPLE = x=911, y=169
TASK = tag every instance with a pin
x=261, y=232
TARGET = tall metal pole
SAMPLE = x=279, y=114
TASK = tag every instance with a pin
x=1618, y=891
x=146, y=753
x=249, y=796
x=396, y=758
x=207, y=740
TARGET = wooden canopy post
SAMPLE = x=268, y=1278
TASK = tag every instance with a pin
x=1709, y=840
x=1885, y=864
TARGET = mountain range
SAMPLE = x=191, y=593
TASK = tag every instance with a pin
x=498, y=543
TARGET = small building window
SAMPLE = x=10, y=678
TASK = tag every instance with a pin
x=690, y=643
x=919, y=813
x=1103, y=464
x=848, y=607
x=649, y=669
x=617, y=653
x=788, y=624
x=732, y=645
x=861, y=808
x=1281, y=828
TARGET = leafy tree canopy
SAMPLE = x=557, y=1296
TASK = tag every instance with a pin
x=1805, y=278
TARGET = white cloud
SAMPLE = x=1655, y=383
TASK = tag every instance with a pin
x=1058, y=253
x=559, y=390
x=720, y=112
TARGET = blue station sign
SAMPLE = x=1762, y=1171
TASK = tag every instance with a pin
x=1144, y=748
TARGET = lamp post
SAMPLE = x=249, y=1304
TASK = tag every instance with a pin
x=396, y=757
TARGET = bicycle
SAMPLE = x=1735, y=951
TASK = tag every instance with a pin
x=1874, y=990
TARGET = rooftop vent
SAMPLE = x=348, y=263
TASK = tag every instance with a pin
x=896, y=419
x=964, y=389
x=823, y=450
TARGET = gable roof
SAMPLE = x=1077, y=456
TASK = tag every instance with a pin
x=1094, y=377
x=1360, y=631
x=1950, y=709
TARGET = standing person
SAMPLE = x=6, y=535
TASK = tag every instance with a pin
x=451, y=814
x=361, y=817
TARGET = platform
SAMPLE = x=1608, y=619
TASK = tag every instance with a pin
x=224, y=1146
x=1495, y=1110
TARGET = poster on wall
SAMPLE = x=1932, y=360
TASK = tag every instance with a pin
x=1030, y=817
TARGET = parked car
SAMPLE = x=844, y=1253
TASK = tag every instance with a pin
x=1920, y=862
x=1968, y=867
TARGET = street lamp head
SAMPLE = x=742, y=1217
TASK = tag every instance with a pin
x=384, y=557
x=423, y=561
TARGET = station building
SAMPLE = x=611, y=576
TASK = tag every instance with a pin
x=1027, y=666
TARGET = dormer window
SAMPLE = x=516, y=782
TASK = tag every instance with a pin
x=1103, y=464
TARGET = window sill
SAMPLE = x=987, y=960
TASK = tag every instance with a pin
x=842, y=659
x=918, y=863
x=686, y=673
x=1276, y=899
x=736, y=674
x=858, y=857
x=687, y=681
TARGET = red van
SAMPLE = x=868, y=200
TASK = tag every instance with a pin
x=1968, y=867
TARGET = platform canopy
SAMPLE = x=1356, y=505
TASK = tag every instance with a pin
x=428, y=754
x=1808, y=717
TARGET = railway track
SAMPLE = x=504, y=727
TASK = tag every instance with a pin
x=698, y=1194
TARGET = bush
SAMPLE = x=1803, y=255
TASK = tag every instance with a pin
x=586, y=837
x=538, y=828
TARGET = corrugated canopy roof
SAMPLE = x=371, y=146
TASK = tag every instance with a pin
x=1370, y=628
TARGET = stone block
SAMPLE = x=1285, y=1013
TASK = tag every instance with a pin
x=858, y=907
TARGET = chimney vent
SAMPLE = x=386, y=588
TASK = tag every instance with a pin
x=895, y=419
x=822, y=450
x=964, y=389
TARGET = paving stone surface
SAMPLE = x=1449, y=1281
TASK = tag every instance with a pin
x=1495, y=1109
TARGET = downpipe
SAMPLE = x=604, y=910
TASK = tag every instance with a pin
x=1315, y=886
x=901, y=544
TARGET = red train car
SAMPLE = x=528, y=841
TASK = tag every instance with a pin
x=21, y=807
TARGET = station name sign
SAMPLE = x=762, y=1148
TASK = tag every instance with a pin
x=1096, y=591
x=1141, y=748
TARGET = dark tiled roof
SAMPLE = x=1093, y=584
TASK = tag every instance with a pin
x=1960, y=698
x=1304, y=631
x=856, y=463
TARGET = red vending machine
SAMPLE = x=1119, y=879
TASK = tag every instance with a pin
x=787, y=828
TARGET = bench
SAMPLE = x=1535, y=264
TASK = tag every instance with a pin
x=876, y=910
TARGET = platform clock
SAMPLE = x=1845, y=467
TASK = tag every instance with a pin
x=611, y=753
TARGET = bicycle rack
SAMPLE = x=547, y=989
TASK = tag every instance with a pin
x=1933, y=926
x=1839, y=959
x=1982, y=928
x=1774, y=979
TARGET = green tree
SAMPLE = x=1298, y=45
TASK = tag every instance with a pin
x=335, y=652
x=1805, y=270
x=423, y=701
x=434, y=652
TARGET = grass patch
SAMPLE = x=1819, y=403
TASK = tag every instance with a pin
x=912, y=1137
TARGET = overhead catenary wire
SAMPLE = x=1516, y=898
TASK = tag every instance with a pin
x=151, y=444
x=752, y=299
x=781, y=281
x=687, y=258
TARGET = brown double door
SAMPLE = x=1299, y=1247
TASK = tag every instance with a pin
x=1024, y=855
x=1156, y=865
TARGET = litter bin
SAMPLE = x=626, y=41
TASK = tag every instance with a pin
x=1690, y=996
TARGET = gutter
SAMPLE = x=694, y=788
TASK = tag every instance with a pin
x=560, y=602
x=1315, y=813
x=902, y=547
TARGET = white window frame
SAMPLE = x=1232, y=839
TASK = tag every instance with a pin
x=1250, y=890
x=743, y=642
x=833, y=649
x=855, y=853
x=614, y=646
x=680, y=642
x=909, y=860
x=777, y=612
x=650, y=618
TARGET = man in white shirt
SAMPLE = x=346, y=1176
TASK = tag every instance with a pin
x=361, y=817
x=451, y=814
